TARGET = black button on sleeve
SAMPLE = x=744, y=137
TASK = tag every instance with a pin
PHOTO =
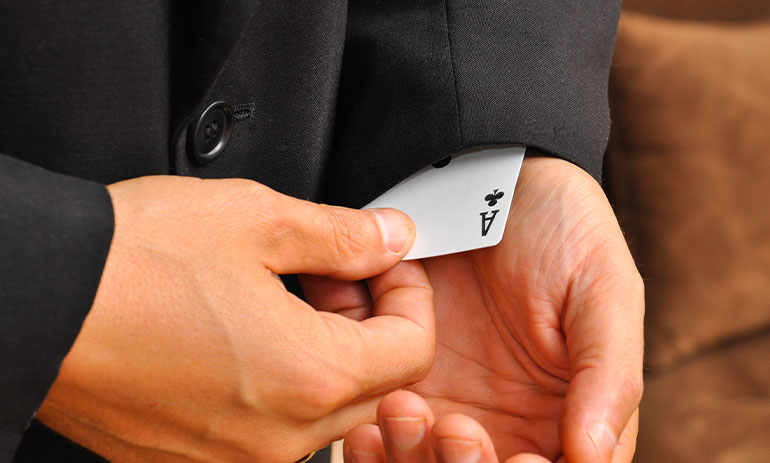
x=209, y=134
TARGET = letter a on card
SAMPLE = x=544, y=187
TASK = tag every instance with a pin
x=486, y=222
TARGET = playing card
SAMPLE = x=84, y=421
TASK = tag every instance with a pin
x=459, y=206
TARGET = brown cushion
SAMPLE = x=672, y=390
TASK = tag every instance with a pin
x=709, y=10
x=715, y=409
x=689, y=170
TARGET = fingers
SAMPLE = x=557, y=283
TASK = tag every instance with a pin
x=347, y=298
x=604, y=338
x=394, y=348
x=392, y=291
x=364, y=445
x=403, y=432
x=405, y=421
x=302, y=237
x=406, y=434
x=403, y=329
x=461, y=439
x=530, y=458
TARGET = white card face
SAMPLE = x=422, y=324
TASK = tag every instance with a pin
x=461, y=206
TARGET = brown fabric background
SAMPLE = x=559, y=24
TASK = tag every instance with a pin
x=705, y=10
x=690, y=172
x=714, y=409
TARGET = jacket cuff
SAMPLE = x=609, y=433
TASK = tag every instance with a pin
x=536, y=74
x=424, y=80
x=55, y=233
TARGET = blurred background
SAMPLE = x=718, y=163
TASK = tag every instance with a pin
x=688, y=171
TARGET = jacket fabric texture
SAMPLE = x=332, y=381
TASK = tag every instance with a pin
x=335, y=101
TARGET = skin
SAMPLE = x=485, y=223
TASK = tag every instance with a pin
x=540, y=339
x=194, y=351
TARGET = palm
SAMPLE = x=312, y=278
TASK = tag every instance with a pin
x=503, y=313
x=483, y=367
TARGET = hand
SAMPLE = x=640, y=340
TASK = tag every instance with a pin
x=407, y=432
x=194, y=350
x=540, y=337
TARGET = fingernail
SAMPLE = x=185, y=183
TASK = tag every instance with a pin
x=459, y=451
x=405, y=433
x=395, y=230
x=604, y=440
x=360, y=456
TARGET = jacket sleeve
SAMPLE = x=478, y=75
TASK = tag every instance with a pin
x=55, y=232
x=423, y=79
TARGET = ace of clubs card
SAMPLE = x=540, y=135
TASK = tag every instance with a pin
x=458, y=204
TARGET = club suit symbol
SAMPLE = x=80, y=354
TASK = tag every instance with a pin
x=493, y=197
x=486, y=222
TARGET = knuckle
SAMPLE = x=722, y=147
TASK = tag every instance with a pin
x=311, y=404
x=425, y=362
x=349, y=233
x=272, y=223
x=254, y=189
x=320, y=396
x=244, y=193
x=262, y=203
x=250, y=186
x=421, y=372
x=419, y=364
x=250, y=203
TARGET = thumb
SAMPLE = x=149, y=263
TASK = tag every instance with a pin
x=302, y=237
x=604, y=338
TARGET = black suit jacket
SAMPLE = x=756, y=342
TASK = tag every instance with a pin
x=336, y=101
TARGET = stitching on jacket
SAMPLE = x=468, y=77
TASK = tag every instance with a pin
x=243, y=111
x=454, y=73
